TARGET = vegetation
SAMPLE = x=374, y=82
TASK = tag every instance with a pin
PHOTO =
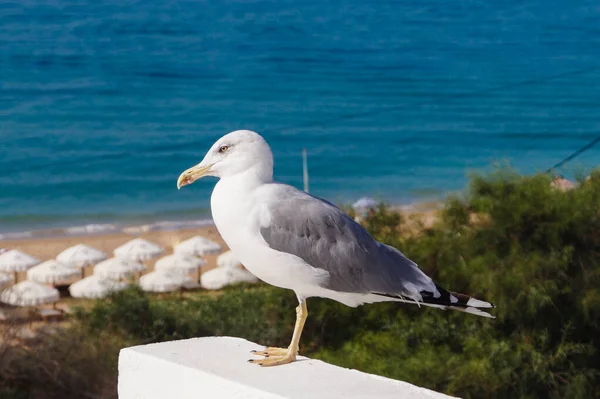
x=513, y=240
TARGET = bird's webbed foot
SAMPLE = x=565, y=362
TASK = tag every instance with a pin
x=273, y=357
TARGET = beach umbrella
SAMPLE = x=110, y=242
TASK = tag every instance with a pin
x=81, y=255
x=15, y=261
x=183, y=263
x=139, y=250
x=29, y=293
x=220, y=277
x=165, y=280
x=197, y=246
x=118, y=269
x=562, y=184
x=52, y=272
x=95, y=287
x=5, y=280
x=228, y=259
x=365, y=203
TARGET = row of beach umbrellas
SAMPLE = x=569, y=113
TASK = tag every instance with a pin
x=172, y=272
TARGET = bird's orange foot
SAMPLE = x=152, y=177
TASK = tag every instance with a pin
x=271, y=351
x=274, y=357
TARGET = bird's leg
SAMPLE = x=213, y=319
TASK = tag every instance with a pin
x=278, y=356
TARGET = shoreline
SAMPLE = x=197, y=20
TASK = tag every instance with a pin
x=117, y=226
x=95, y=229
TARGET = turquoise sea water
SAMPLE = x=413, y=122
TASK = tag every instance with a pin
x=104, y=103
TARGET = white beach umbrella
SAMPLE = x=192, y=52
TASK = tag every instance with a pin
x=29, y=293
x=197, y=246
x=81, y=255
x=183, y=263
x=95, y=287
x=165, y=280
x=138, y=249
x=16, y=261
x=118, y=269
x=52, y=272
x=228, y=259
x=220, y=277
x=365, y=203
x=5, y=280
x=562, y=184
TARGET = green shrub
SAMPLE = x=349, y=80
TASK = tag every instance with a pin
x=536, y=254
x=66, y=363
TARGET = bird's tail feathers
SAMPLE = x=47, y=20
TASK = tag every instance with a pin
x=448, y=300
x=468, y=304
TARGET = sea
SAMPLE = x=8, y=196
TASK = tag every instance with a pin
x=104, y=103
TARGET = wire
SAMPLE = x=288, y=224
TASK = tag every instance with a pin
x=575, y=154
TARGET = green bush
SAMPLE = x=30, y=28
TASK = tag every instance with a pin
x=259, y=313
x=68, y=363
x=535, y=252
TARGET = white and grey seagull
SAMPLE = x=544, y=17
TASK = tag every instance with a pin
x=291, y=239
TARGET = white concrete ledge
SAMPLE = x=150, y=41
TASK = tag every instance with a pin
x=217, y=368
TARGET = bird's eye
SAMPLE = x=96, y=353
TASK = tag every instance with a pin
x=223, y=148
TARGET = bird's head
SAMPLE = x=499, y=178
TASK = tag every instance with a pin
x=236, y=152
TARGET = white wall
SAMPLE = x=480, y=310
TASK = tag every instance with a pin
x=218, y=368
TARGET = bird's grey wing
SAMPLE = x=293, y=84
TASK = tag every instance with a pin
x=326, y=238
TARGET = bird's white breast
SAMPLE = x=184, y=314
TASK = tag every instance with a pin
x=237, y=213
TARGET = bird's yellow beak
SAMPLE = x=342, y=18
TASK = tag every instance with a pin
x=192, y=174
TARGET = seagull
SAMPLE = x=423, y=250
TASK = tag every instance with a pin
x=294, y=240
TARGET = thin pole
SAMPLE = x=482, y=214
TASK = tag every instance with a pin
x=305, y=169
